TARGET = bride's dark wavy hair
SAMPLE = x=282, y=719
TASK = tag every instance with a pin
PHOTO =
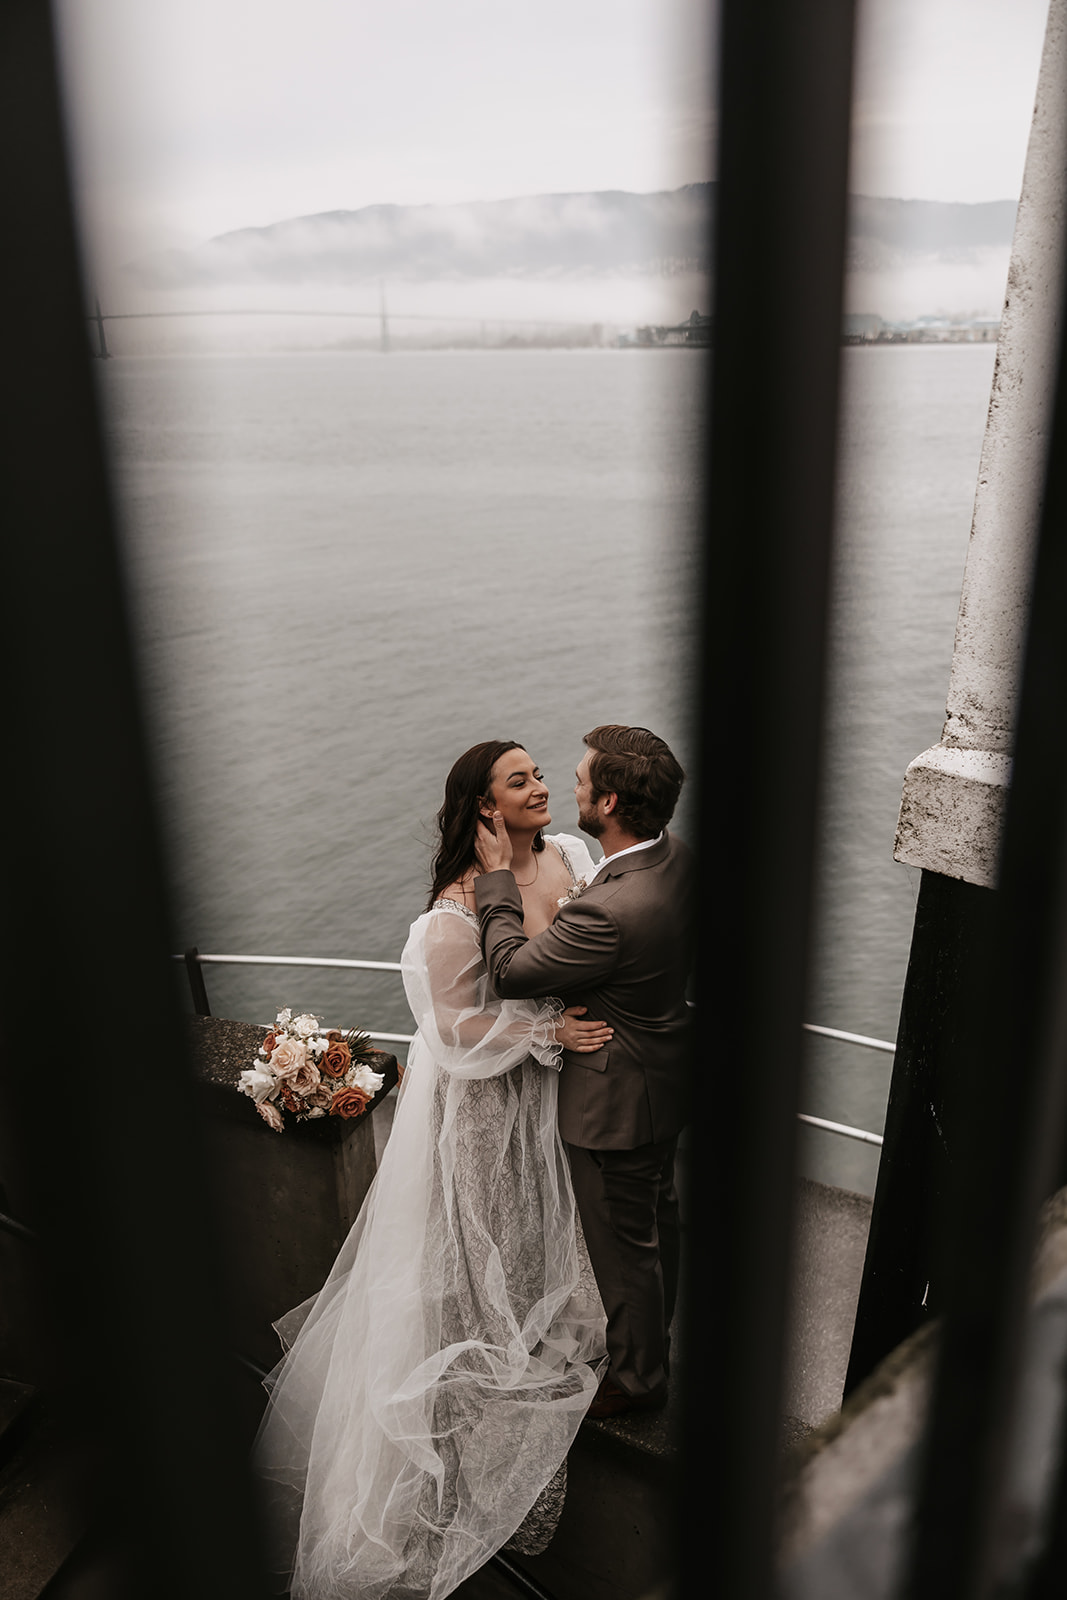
x=466, y=787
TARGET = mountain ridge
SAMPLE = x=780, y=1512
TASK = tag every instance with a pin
x=587, y=233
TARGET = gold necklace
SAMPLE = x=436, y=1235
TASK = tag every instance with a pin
x=537, y=868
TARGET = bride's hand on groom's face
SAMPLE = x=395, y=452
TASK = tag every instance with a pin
x=492, y=846
x=574, y=1034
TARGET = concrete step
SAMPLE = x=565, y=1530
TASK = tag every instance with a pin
x=830, y=1242
x=43, y=1506
x=616, y=1539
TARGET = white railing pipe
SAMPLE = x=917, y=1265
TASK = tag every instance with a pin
x=840, y=1127
x=406, y=1038
x=292, y=961
x=850, y=1038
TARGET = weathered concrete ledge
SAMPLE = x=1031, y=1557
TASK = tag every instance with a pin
x=285, y=1200
x=951, y=813
x=849, y=1486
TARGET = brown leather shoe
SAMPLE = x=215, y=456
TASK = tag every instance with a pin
x=611, y=1401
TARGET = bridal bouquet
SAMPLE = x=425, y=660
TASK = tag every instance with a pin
x=310, y=1070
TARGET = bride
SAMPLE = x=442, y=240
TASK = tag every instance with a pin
x=422, y=1416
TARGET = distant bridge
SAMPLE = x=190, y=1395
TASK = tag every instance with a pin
x=381, y=316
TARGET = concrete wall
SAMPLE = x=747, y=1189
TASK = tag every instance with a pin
x=285, y=1200
x=953, y=800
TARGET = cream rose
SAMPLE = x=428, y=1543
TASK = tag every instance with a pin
x=259, y=1083
x=362, y=1077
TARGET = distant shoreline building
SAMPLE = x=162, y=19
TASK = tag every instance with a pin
x=858, y=327
x=862, y=327
x=696, y=332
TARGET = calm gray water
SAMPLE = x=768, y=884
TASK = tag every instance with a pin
x=348, y=567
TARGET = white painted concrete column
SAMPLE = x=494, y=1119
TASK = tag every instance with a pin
x=953, y=801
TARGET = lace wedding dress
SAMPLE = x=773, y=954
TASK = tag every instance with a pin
x=422, y=1416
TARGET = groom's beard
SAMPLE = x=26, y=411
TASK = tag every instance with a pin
x=590, y=822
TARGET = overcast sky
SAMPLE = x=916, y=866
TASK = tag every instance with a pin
x=944, y=96
x=193, y=117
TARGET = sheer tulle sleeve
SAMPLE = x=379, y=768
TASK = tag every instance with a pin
x=469, y=1031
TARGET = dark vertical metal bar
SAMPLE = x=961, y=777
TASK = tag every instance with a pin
x=197, y=987
x=1012, y=1117
x=785, y=92
x=102, y=1150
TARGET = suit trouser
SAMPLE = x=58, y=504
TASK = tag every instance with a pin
x=629, y=1210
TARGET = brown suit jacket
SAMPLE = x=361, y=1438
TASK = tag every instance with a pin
x=623, y=950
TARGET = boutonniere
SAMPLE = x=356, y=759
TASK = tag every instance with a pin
x=573, y=893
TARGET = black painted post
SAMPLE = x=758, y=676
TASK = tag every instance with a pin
x=900, y=1287
x=197, y=987
x=785, y=101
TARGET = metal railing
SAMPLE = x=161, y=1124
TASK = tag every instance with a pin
x=850, y=1038
x=194, y=960
x=842, y=1128
x=867, y=1043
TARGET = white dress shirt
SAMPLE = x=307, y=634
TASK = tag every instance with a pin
x=631, y=849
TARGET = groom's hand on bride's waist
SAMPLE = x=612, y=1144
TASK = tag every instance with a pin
x=492, y=846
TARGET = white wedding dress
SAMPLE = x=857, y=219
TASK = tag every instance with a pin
x=422, y=1417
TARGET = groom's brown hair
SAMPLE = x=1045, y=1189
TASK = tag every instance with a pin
x=638, y=767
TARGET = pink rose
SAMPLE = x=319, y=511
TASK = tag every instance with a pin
x=301, y=1080
x=320, y=1097
x=288, y=1056
x=271, y=1115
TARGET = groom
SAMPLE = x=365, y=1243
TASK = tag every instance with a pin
x=622, y=950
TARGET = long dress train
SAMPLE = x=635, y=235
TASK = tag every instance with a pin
x=432, y=1389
